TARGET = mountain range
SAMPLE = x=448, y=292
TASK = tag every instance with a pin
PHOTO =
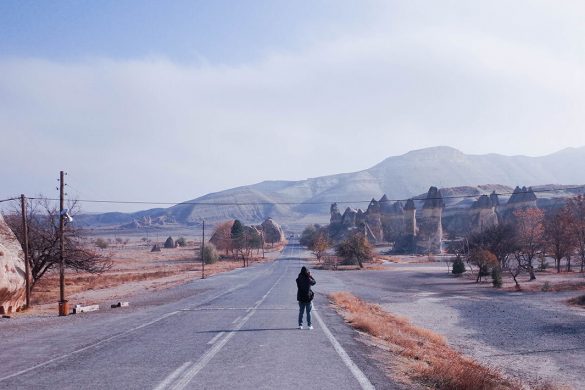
x=399, y=177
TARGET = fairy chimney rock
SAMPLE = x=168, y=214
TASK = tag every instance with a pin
x=410, y=218
x=12, y=276
x=335, y=214
x=348, y=218
x=430, y=222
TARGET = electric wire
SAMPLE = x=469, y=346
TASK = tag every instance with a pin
x=203, y=203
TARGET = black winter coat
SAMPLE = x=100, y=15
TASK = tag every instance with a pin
x=304, y=292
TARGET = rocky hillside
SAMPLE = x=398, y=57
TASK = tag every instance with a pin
x=398, y=177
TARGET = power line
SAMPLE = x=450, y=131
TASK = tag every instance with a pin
x=8, y=200
x=292, y=203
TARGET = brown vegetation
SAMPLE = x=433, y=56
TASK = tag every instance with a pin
x=578, y=301
x=420, y=354
x=134, y=270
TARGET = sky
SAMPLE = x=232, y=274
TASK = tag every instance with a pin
x=169, y=100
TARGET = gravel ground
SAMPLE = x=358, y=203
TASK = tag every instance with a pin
x=533, y=337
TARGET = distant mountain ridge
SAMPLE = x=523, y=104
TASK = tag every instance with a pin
x=399, y=177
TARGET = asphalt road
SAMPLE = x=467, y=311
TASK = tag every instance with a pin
x=235, y=330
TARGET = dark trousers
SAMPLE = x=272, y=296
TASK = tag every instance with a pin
x=302, y=307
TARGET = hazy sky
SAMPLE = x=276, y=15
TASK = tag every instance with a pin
x=167, y=101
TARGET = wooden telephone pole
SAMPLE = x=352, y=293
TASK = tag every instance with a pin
x=25, y=248
x=203, y=252
x=63, y=306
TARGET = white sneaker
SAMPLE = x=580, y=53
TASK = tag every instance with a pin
x=311, y=327
x=301, y=327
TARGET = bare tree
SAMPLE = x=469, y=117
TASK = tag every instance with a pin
x=576, y=208
x=484, y=260
x=320, y=244
x=356, y=248
x=529, y=234
x=499, y=240
x=558, y=237
x=43, y=239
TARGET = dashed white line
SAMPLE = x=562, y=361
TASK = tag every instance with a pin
x=172, y=377
x=187, y=376
x=214, y=339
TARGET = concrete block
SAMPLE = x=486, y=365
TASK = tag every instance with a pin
x=120, y=304
x=85, y=309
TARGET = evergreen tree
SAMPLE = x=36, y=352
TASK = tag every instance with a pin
x=458, y=265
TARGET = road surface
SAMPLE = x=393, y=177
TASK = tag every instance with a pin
x=235, y=330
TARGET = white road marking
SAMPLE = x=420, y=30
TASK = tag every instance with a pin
x=236, y=320
x=355, y=370
x=188, y=375
x=62, y=357
x=172, y=377
x=214, y=339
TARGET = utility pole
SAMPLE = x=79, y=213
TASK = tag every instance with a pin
x=25, y=247
x=63, y=307
x=262, y=235
x=203, y=252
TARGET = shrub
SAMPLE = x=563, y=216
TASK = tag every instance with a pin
x=101, y=243
x=356, y=248
x=497, y=277
x=169, y=243
x=458, y=265
x=210, y=254
x=181, y=242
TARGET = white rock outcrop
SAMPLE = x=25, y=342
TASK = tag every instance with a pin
x=12, y=276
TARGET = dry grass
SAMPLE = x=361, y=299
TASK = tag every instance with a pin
x=578, y=301
x=133, y=266
x=422, y=355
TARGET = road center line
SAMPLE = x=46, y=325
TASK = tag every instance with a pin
x=236, y=320
x=188, y=375
x=214, y=339
x=172, y=377
x=355, y=370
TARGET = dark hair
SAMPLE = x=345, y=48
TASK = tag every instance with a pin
x=304, y=271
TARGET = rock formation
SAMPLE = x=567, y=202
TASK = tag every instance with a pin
x=410, y=218
x=521, y=199
x=335, y=214
x=349, y=218
x=430, y=234
x=483, y=213
x=12, y=274
x=373, y=220
x=272, y=231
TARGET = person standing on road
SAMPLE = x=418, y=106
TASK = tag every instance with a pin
x=305, y=295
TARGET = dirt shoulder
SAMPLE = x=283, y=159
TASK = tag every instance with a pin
x=135, y=272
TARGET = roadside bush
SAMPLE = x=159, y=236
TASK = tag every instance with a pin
x=210, y=254
x=497, y=277
x=169, y=243
x=101, y=243
x=458, y=265
x=181, y=242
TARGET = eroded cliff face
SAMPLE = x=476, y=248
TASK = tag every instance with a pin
x=12, y=274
